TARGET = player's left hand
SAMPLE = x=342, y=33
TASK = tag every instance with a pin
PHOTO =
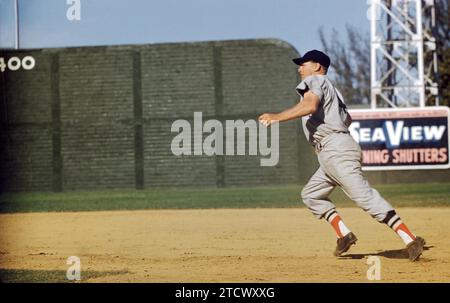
x=267, y=119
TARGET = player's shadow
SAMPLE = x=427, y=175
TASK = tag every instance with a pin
x=390, y=254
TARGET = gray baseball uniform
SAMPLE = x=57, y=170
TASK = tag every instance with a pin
x=338, y=153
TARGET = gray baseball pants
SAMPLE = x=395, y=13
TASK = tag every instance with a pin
x=340, y=165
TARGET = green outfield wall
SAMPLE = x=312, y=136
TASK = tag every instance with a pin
x=95, y=118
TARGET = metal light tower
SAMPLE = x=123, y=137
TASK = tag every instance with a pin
x=403, y=53
x=16, y=33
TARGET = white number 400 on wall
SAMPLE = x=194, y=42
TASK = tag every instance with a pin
x=14, y=63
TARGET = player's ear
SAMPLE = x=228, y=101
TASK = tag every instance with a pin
x=317, y=66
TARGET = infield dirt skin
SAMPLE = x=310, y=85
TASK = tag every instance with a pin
x=223, y=245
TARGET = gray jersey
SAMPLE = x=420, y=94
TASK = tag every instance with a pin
x=331, y=115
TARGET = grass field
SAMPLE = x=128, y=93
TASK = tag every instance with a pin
x=427, y=195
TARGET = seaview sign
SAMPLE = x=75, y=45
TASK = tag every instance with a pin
x=406, y=138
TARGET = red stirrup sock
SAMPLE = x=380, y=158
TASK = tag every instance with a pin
x=394, y=222
x=336, y=222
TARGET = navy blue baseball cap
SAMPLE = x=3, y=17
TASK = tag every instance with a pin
x=316, y=56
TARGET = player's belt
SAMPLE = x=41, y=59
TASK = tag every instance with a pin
x=318, y=146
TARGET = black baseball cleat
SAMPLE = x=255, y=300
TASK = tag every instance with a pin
x=415, y=248
x=343, y=244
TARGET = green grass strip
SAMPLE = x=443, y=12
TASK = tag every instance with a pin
x=400, y=195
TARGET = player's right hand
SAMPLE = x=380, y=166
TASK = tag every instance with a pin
x=267, y=119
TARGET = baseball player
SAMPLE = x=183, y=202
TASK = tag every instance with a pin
x=325, y=123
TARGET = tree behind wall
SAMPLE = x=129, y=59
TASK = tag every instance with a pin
x=442, y=34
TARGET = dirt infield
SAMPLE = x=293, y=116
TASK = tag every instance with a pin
x=227, y=245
